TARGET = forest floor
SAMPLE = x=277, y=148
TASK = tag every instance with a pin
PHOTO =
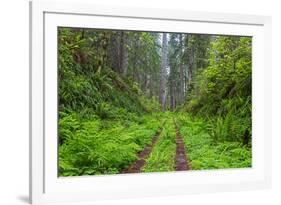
x=181, y=162
x=143, y=155
x=184, y=143
x=155, y=142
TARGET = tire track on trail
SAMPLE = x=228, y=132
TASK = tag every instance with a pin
x=181, y=161
x=143, y=155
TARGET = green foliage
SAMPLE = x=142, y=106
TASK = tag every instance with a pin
x=102, y=147
x=68, y=124
x=205, y=152
x=163, y=154
x=150, y=105
x=109, y=111
x=82, y=87
x=100, y=127
x=232, y=127
x=222, y=92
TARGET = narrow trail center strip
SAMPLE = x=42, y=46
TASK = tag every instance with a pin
x=143, y=155
x=181, y=162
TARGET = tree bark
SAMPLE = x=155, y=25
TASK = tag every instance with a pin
x=181, y=71
x=123, y=54
x=163, y=80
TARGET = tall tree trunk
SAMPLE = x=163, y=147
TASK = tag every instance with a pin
x=185, y=80
x=113, y=52
x=172, y=96
x=150, y=85
x=163, y=80
x=189, y=75
x=118, y=52
x=181, y=70
x=186, y=66
x=123, y=53
x=196, y=88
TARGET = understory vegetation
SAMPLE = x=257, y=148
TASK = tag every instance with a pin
x=162, y=156
x=119, y=89
x=206, y=152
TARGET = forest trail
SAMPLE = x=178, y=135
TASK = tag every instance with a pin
x=181, y=162
x=143, y=155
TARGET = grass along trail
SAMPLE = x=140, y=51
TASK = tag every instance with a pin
x=163, y=153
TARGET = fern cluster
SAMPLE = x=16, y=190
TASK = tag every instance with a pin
x=101, y=146
x=206, y=152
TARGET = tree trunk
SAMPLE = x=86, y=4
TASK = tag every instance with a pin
x=113, y=52
x=172, y=96
x=181, y=72
x=162, y=94
x=123, y=54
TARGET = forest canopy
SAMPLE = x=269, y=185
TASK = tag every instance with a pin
x=124, y=92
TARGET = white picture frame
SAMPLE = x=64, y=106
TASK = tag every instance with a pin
x=46, y=187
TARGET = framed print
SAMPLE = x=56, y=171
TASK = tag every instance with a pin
x=130, y=102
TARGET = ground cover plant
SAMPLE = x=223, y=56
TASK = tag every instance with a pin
x=132, y=102
x=162, y=156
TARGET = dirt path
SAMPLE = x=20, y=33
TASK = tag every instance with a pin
x=181, y=162
x=143, y=155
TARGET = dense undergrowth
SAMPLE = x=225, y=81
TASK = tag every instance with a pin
x=104, y=119
x=104, y=136
x=218, y=121
x=163, y=154
x=102, y=146
x=221, y=94
x=205, y=152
